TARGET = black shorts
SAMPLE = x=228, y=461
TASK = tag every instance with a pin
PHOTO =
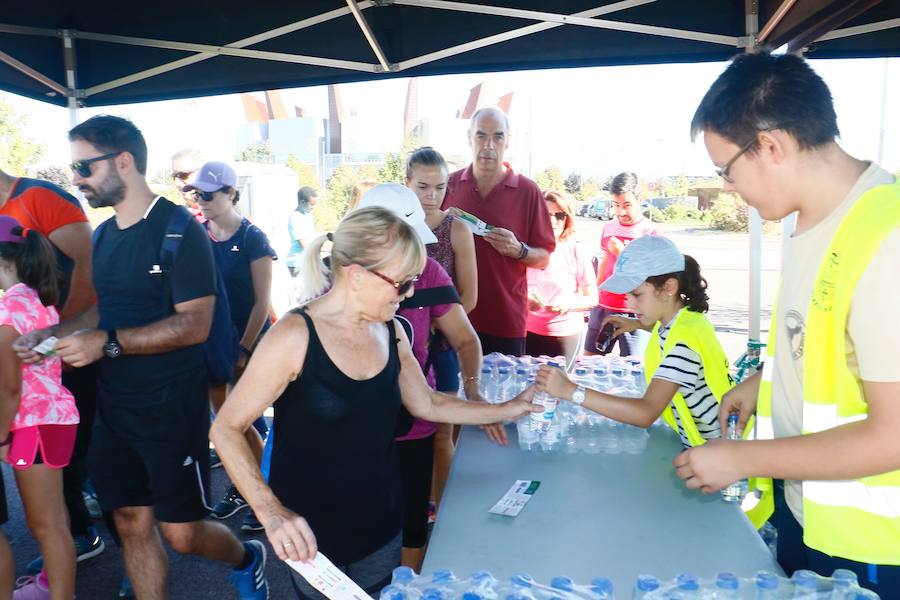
x=416, y=461
x=152, y=449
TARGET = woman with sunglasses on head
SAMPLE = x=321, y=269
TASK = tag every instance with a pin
x=338, y=370
x=558, y=295
x=244, y=258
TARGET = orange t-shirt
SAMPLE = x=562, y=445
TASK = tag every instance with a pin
x=42, y=206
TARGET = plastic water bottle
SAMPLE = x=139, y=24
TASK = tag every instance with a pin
x=766, y=585
x=541, y=420
x=402, y=576
x=770, y=536
x=687, y=585
x=844, y=581
x=565, y=585
x=520, y=587
x=601, y=377
x=488, y=384
x=445, y=581
x=644, y=586
x=727, y=586
x=521, y=380
x=737, y=490
x=806, y=584
x=504, y=384
x=601, y=589
x=551, y=438
x=591, y=434
x=634, y=439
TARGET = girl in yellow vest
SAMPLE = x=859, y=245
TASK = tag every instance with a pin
x=827, y=401
x=686, y=368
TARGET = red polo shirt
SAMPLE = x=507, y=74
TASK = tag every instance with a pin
x=516, y=203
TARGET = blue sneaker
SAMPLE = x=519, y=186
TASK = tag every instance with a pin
x=251, y=582
x=126, y=592
x=86, y=546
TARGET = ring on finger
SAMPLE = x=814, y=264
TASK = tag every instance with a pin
x=287, y=544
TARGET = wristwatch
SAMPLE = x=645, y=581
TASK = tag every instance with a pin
x=112, y=348
x=578, y=395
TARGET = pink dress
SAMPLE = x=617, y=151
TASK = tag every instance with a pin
x=44, y=400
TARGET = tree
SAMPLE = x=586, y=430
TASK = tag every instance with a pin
x=392, y=171
x=258, y=152
x=17, y=152
x=56, y=175
x=331, y=209
x=573, y=183
x=550, y=179
x=306, y=175
x=590, y=189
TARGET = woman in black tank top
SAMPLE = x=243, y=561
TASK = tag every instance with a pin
x=337, y=371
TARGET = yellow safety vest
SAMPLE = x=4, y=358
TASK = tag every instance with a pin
x=695, y=331
x=857, y=520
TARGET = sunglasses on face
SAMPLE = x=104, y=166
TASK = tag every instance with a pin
x=559, y=215
x=402, y=287
x=83, y=167
x=182, y=175
x=206, y=196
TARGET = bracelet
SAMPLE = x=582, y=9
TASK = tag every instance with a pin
x=246, y=350
x=523, y=251
x=472, y=378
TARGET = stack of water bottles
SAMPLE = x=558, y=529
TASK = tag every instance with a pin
x=565, y=427
x=481, y=585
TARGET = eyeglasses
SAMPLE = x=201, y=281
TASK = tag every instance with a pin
x=183, y=175
x=83, y=167
x=723, y=172
x=559, y=215
x=206, y=196
x=401, y=286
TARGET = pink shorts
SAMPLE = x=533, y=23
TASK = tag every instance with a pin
x=54, y=441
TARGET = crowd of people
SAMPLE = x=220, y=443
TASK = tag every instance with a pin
x=116, y=345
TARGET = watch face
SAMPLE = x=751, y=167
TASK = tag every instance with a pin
x=112, y=349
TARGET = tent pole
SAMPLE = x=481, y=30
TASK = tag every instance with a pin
x=71, y=82
x=755, y=222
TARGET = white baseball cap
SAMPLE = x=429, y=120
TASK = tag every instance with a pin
x=403, y=202
x=643, y=257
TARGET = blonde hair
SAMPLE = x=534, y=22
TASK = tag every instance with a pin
x=359, y=190
x=369, y=237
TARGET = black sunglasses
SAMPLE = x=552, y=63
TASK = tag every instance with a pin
x=207, y=196
x=83, y=167
x=182, y=175
x=559, y=215
x=401, y=286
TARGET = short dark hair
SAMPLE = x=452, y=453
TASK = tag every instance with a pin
x=303, y=196
x=426, y=156
x=624, y=183
x=108, y=133
x=761, y=91
x=691, y=285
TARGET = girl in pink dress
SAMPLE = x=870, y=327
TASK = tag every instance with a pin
x=38, y=418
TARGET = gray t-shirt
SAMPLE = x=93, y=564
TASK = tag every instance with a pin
x=873, y=326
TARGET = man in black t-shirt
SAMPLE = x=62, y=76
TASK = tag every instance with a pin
x=149, y=458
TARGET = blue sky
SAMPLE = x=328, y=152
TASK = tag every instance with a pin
x=594, y=120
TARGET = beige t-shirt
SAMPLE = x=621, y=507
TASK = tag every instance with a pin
x=873, y=328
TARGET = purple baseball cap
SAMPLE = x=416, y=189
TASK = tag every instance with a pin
x=7, y=224
x=212, y=177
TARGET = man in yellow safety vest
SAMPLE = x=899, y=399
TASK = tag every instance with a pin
x=827, y=400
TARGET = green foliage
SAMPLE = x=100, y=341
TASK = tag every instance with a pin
x=393, y=170
x=675, y=212
x=590, y=189
x=331, y=209
x=258, y=152
x=550, y=179
x=657, y=215
x=17, y=152
x=57, y=175
x=306, y=175
x=162, y=183
x=573, y=183
x=729, y=214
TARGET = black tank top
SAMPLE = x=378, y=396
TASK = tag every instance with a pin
x=333, y=459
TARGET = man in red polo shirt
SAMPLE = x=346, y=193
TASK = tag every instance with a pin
x=521, y=236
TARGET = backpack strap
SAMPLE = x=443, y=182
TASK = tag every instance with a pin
x=445, y=294
x=175, y=230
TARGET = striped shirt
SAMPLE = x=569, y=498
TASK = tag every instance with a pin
x=684, y=367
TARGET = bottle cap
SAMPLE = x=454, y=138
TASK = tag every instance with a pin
x=727, y=581
x=767, y=581
x=647, y=583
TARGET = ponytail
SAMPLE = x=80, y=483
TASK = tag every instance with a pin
x=35, y=263
x=314, y=275
x=691, y=285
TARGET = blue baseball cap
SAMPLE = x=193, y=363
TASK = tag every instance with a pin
x=212, y=177
x=644, y=257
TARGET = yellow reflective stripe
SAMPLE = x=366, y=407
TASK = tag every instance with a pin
x=883, y=501
x=819, y=417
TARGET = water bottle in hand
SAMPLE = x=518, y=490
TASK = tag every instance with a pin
x=737, y=490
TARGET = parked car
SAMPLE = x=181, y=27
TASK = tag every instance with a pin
x=602, y=208
x=583, y=209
